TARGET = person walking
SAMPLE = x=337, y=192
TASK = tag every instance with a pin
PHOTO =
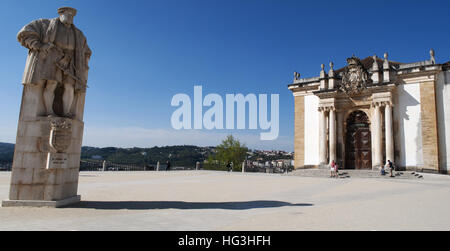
x=168, y=166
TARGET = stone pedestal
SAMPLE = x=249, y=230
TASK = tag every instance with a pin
x=46, y=157
x=41, y=203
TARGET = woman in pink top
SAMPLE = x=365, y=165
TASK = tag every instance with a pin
x=332, y=169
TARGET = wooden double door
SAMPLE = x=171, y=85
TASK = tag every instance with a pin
x=358, y=146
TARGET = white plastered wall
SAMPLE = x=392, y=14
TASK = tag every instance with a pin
x=408, y=137
x=311, y=130
x=443, y=117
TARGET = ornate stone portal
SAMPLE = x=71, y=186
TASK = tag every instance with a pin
x=50, y=131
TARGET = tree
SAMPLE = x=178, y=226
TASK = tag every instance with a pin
x=231, y=150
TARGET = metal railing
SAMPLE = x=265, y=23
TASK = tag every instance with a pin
x=92, y=165
x=100, y=165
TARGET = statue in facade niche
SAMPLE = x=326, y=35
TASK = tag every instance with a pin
x=58, y=55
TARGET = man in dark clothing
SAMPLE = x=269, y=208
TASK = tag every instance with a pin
x=390, y=165
x=168, y=166
x=229, y=167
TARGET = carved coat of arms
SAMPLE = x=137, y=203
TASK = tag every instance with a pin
x=60, y=135
x=355, y=77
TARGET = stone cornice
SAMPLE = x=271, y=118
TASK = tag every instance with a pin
x=304, y=90
x=416, y=78
x=401, y=74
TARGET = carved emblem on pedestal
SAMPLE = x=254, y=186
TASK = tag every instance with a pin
x=60, y=135
x=355, y=78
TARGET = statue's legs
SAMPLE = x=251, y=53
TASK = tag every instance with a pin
x=49, y=96
x=68, y=96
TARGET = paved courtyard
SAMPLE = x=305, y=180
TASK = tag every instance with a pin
x=208, y=200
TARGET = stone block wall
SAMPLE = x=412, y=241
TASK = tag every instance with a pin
x=30, y=178
x=299, y=134
x=430, y=144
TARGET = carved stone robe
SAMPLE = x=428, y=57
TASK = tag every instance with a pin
x=40, y=66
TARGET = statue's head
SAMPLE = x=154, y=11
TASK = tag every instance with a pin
x=66, y=14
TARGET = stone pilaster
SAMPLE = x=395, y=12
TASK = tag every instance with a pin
x=332, y=134
x=340, y=137
x=377, y=136
x=429, y=126
x=322, y=136
x=299, y=132
x=389, y=132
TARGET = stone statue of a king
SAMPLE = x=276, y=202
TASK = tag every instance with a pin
x=58, y=55
x=50, y=130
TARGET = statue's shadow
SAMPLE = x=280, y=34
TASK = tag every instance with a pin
x=149, y=205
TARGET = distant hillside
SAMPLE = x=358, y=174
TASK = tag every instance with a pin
x=178, y=155
x=185, y=156
x=6, y=153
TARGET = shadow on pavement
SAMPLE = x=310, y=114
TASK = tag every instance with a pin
x=147, y=205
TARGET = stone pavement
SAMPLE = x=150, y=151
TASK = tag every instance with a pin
x=208, y=200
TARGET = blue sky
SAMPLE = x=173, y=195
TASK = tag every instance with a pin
x=145, y=52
